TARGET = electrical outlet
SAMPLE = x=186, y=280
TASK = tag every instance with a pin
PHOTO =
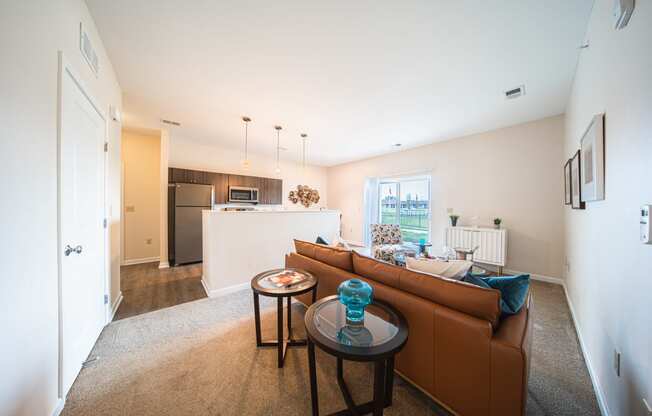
x=617, y=362
x=449, y=210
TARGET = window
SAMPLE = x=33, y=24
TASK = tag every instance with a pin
x=406, y=202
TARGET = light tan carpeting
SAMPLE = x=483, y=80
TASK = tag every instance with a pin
x=200, y=358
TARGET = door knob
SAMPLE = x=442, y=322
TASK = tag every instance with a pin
x=68, y=250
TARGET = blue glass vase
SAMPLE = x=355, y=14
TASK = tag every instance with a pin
x=355, y=295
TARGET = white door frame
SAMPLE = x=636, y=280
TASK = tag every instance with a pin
x=66, y=69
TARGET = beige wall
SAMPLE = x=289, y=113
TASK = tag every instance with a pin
x=141, y=154
x=608, y=278
x=191, y=155
x=511, y=173
x=31, y=34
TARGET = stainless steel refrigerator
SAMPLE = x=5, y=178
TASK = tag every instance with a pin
x=189, y=201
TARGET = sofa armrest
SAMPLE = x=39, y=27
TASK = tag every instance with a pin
x=510, y=362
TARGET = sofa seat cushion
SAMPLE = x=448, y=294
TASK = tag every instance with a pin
x=333, y=256
x=467, y=298
x=385, y=252
x=453, y=269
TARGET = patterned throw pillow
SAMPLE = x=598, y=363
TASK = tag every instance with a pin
x=385, y=234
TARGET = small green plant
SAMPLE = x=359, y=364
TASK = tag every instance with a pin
x=454, y=219
x=497, y=222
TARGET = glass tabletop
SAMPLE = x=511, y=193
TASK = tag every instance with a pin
x=279, y=281
x=380, y=325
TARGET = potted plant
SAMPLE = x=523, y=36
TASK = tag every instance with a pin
x=497, y=222
x=454, y=219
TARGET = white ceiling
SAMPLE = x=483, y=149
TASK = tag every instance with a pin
x=357, y=76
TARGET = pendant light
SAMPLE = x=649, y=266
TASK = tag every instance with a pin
x=278, y=148
x=245, y=162
x=304, y=139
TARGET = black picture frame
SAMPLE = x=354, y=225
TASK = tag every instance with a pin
x=568, y=192
x=576, y=182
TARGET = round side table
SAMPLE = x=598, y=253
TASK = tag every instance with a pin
x=264, y=284
x=379, y=338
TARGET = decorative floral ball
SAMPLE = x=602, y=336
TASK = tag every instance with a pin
x=304, y=194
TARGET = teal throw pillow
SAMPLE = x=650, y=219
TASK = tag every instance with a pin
x=513, y=290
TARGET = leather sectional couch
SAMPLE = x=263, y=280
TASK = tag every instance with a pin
x=459, y=350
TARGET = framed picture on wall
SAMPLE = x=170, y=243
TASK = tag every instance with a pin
x=567, y=183
x=592, y=147
x=576, y=183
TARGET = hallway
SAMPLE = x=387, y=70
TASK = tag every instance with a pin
x=146, y=288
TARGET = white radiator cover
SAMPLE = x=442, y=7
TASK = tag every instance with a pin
x=492, y=243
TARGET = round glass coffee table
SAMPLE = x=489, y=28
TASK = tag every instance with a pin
x=381, y=335
x=281, y=283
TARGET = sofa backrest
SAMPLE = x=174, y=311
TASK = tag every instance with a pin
x=333, y=256
x=470, y=299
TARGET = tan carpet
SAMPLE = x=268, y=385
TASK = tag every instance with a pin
x=199, y=358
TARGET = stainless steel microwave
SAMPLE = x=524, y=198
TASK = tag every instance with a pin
x=243, y=194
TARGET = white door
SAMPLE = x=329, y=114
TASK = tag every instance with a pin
x=81, y=213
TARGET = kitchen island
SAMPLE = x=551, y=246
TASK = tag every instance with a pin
x=237, y=245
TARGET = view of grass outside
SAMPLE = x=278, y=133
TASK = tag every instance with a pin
x=413, y=215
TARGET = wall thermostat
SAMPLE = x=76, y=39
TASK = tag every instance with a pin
x=645, y=224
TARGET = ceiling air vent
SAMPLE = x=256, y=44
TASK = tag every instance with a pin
x=515, y=92
x=170, y=122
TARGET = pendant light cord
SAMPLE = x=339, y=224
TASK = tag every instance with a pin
x=278, y=148
x=304, y=138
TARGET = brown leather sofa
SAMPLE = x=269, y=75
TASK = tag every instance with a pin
x=459, y=350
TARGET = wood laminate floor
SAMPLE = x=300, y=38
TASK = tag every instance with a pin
x=146, y=288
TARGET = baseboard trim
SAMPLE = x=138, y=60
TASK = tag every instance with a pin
x=599, y=393
x=140, y=261
x=164, y=265
x=61, y=402
x=216, y=293
x=205, y=285
x=602, y=401
x=115, y=306
x=540, y=277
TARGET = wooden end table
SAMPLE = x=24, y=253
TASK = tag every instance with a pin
x=262, y=285
x=382, y=335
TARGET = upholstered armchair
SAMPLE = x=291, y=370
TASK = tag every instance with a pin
x=386, y=240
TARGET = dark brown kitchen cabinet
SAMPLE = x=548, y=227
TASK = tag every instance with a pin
x=270, y=190
x=176, y=175
x=196, y=176
x=245, y=181
x=220, y=184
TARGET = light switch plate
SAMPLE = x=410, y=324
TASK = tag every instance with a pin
x=646, y=224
